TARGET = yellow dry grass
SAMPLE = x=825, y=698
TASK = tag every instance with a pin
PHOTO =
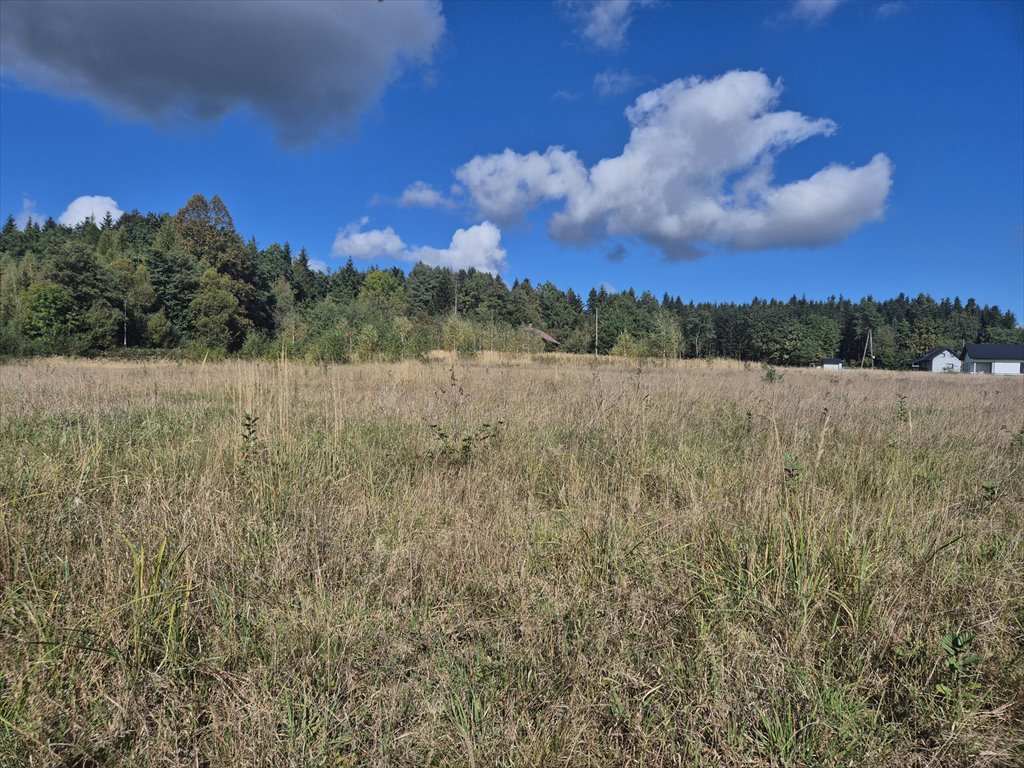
x=547, y=560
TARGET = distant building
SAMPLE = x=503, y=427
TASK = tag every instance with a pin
x=547, y=338
x=1005, y=359
x=939, y=360
x=832, y=364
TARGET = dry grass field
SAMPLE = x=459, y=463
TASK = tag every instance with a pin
x=510, y=562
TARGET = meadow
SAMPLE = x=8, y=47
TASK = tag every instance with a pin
x=496, y=561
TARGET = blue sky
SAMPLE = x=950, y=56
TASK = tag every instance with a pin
x=715, y=151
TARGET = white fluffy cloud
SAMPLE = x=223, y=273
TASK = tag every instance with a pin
x=478, y=247
x=421, y=194
x=96, y=206
x=696, y=173
x=813, y=11
x=352, y=242
x=504, y=187
x=604, y=23
x=308, y=67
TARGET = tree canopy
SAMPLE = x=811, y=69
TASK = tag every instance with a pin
x=190, y=281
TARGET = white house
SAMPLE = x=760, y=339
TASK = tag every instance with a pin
x=940, y=359
x=1006, y=359
x=832, y=364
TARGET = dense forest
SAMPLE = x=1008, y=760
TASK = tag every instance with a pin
x=188, y=284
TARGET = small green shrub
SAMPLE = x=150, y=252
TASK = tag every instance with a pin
x=771, y=374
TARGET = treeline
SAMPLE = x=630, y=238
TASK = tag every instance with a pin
x=190, y=282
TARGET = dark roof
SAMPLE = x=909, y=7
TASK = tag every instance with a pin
x=546, y=337
x=929, y=356
x=832, y=361
x=994, y=351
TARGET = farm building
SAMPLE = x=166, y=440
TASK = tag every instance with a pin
x=940, y=359
x=548, y=339
x=832, y=364
x=1006, y=359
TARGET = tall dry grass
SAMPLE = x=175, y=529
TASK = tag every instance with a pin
x=551, y=561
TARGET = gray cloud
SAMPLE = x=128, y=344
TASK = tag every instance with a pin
x=308, y=67
x=617, y=253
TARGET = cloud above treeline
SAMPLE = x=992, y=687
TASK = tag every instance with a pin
x=28, y=213
x=477, y=247
x=695, y=175
x=81, y=208
x=95, y=207
x=308, y=67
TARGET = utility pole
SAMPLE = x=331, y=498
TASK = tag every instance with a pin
x=869, y=343
x=126, y=321
x=596, y=312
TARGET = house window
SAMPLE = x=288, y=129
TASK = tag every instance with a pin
x=1022, y=368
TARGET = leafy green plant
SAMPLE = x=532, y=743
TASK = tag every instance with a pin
x=957, y=662
x=902, y=409
x=249, y=423
x=251, y=443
